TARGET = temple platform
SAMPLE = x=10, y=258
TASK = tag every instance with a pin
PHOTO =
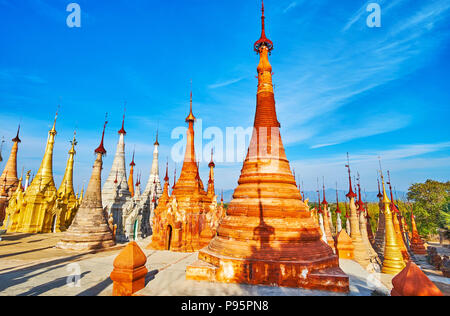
x=30, y=265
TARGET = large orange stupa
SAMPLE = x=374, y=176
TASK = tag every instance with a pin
x=268, y=235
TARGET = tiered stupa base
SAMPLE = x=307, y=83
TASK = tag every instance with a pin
x=88, y=232
x=417, y=247
x=304, y=274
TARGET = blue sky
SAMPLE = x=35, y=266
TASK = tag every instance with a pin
x=339, y=85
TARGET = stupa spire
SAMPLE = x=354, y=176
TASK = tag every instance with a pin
x=396, y=222
x=101, y=149
x=324, y=202
x=190, y=117
x=45, y=172
x=338, y=213
x=9, y=174
x=17, y=139
x=338, y=210
x=67, y=181
x=1, y=149
x=165, y=194
x=350, y=193
x=156, y=138
x=211, y=165
x=393, y=260
x=266, y=218
x=263, y=40
x=115, y=195
x=131, y=177
x=122, y=130
x=153, y=189
x=187, y=182
x=417, y=245
x=379, y=195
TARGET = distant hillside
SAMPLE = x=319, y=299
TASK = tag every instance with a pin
x=330, y=194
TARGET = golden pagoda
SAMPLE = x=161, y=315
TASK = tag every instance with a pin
x=34, y=213
x=8, y=179
x=268, y=235
x=396, y=222
x=67, y=202
x=187, y=220
x=90, y=229
x=393, y=261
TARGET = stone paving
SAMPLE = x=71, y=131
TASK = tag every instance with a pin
x=30, y=265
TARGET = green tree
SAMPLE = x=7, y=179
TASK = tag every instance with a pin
x=431, y=205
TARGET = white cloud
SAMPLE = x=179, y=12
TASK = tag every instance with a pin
x=225, y=83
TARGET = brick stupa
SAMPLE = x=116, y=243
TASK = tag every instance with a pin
x=268, y=236
x=8, y=180
x=90, y=229
x=187, y=220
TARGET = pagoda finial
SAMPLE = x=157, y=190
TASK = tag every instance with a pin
x=101, y=149
x=394, y=207
x=17, y=139
x=53, y=130
x=132, y=164
x=385, y=197
x=324, y=198
x=174, y=176
x=191, y=117
x=211, y=163
x=166, y=178
x=73, y=142
x=360, y=202
x=379, y=195
x=350, y=193
x=318, y=201
x=122, y=130
x=263, y=40
x=156, y=141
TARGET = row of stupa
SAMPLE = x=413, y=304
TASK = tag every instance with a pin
x=388, y=250
x=39, y=207
x=185, y=220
